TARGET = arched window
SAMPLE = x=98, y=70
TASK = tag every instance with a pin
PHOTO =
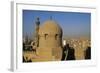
x=46, y=35
x=56, y=36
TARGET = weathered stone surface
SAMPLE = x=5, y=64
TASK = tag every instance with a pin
x=50, y=41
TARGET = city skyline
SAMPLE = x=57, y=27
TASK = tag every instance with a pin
x=73, y=24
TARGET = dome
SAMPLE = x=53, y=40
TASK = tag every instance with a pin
x=50, y=27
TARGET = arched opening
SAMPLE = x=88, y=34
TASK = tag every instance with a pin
x=56, y=36
x=46, y=35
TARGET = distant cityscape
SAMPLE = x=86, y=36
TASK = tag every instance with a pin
x=81, y=45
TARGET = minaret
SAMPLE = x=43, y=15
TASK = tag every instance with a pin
x=37, y=22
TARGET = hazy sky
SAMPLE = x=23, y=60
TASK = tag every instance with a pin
x=74, y=24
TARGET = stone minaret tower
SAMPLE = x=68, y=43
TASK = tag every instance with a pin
x=37, y=22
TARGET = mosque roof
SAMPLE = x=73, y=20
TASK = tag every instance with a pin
x=51, y=27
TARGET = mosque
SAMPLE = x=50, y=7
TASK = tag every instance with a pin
x=49, y=45
x=48, y=40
